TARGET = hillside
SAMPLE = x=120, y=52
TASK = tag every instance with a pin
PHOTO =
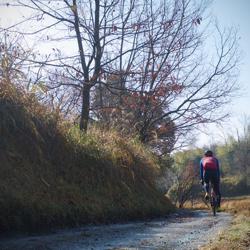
x=52, y=175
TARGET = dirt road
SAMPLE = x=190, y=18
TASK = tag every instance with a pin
x=184, y=230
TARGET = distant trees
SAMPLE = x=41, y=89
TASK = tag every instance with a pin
x=164, y=85
x=238, y=154
x=234, y=161
x=242, y=153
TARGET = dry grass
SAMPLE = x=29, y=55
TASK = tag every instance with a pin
x=53, y=175
x=237, y=205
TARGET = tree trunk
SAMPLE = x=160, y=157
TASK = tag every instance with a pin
x=85, y=108
x=143, y=133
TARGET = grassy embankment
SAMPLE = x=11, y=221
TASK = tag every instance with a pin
x=52, y=175
x=237, y=236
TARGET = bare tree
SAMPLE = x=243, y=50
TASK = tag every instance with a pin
x=12, y=59
x=172, y=87
x=154, y=48
x=95, y=26
x=183, y=189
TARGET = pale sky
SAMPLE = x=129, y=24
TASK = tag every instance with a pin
x=228, y=13
x=237, y=12
x=233, y=13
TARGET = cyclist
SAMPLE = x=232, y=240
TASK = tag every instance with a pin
x=210, y=172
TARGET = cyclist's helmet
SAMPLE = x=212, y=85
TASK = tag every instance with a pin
x=208, y=153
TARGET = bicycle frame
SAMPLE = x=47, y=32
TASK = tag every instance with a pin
x=212, y=199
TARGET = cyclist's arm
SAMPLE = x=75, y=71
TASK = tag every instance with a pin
x=201, y=170
x=218, y=169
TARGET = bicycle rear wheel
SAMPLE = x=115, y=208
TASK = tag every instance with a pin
x=213, y=205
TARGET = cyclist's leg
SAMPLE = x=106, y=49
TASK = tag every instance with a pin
x=216, y=187
x=217, y=192
x=206, y=181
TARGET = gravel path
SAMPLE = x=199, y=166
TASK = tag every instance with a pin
x=185, y=230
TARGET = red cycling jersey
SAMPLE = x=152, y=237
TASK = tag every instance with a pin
x=209, y=163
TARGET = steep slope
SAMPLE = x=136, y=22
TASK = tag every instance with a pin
x=52, y=175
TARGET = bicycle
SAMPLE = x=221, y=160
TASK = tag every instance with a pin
x=212, y=200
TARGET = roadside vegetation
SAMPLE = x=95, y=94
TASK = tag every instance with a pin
x=54, y=175
x=237, y=236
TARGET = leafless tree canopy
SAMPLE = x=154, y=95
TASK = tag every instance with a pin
x=167, y=80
